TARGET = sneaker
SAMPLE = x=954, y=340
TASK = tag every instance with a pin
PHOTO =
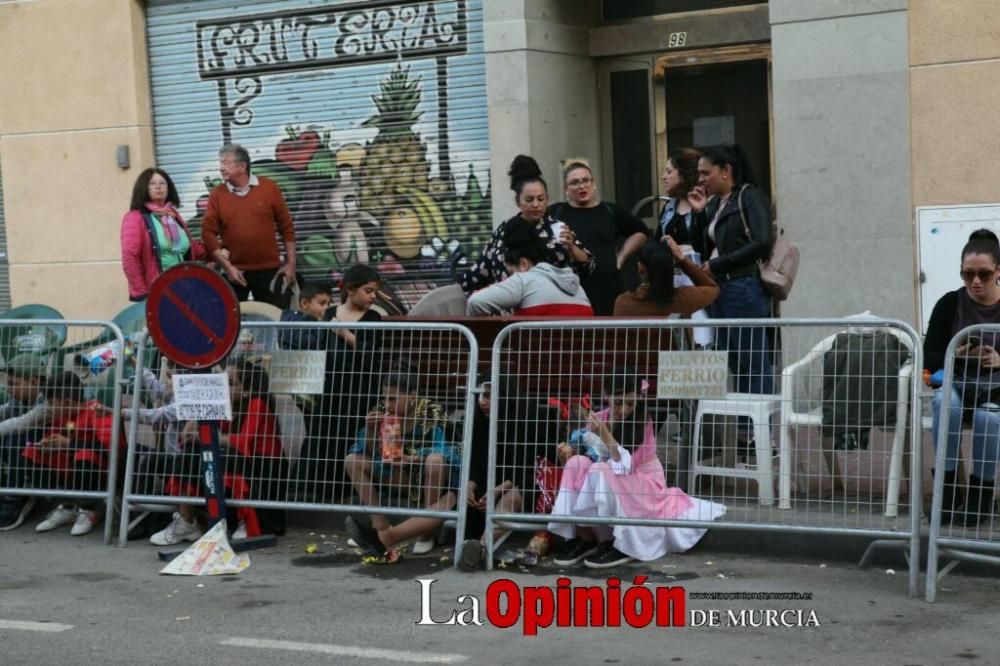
x=241, y=530
x=64, y=514
x=351, y=543
x=84, y=522
x=424, y=544
x=365, y=536
x=606, y=557
x=573, y=552
x=177, y=531
x=13, y=511
x=471, y=555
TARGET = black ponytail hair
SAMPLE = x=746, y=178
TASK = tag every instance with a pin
x=520, y=240
x=658, y=261
x=983, y=241
x=523, y=171
x=631, y=431
x=736, y=157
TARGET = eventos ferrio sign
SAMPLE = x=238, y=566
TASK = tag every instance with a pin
x=691, y=375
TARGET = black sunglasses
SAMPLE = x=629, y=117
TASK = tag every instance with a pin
x=983, y=275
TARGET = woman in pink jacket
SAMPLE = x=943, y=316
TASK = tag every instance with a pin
x=154, y=235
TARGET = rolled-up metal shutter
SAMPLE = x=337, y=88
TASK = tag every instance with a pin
x=371, y=116
x=4, y=260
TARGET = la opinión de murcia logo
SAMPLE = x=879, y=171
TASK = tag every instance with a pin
x=567, y=605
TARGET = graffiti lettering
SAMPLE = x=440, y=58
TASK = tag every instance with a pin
x=312, y=38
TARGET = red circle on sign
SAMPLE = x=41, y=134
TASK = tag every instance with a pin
x=193, y=315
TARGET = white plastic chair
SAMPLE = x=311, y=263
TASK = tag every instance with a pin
x=806, y=413
x=759, y=409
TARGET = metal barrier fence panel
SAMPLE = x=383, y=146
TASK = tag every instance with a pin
x=780, y=425
x=966, y=425
x=365, y=418
x=60, y=428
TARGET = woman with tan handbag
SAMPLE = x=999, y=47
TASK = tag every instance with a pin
x=735, y=219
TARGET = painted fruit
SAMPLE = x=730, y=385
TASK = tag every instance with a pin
x=404, y=233
x=297, y=150
x=350, y=154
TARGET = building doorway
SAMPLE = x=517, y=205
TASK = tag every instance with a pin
x=721, y=103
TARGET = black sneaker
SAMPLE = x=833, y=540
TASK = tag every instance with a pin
x=607, y=557
x=366, y=537
x=471, y=555
x=573, y=552
x=13, y=511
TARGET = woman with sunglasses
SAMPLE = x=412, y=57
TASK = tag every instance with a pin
x=609, y=232
x=977, y=371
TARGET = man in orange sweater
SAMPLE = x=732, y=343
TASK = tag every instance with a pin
x=244, y=213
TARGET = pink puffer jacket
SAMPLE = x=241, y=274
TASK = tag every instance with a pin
x=140, y=258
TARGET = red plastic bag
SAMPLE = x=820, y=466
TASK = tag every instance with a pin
x=547, y=478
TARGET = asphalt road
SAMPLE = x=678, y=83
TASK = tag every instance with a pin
x=66, y=600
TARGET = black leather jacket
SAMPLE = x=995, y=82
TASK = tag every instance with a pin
x=738, y=255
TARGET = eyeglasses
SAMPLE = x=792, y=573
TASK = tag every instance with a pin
x=618, y=402
x=983, y=275
x=577, y=182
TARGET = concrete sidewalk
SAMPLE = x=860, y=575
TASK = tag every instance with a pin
x=326, y=607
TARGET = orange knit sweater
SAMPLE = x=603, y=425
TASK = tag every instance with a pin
x=248, y=225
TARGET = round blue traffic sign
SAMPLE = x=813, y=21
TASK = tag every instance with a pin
x=193, y=315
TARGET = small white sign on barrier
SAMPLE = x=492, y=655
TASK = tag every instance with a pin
x=686, y=375
x=202, y=397
x=298, y=372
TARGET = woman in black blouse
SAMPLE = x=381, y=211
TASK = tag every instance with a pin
x=532, y=197
x=610, y=233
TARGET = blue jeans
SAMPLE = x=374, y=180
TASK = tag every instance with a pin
x=749, y=350
x=985, y=435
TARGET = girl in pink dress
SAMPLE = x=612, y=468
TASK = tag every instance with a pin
x=627, y=482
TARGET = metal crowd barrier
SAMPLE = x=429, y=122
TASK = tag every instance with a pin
x=963, y=525
x=60, y=432
x=302, y=394
x=792, y=425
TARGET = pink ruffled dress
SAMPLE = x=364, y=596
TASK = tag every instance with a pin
x=635, y=487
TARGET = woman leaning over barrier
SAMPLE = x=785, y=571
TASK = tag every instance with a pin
x=976, y=381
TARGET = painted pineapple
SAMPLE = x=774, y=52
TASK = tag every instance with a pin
x=395, y=159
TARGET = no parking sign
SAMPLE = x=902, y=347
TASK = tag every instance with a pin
x=193, y=315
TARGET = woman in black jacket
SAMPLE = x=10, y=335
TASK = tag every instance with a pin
x=725, y=187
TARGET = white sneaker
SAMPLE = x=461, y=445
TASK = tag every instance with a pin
x=177, y=531
x=241, y=531
x=84, y=523
x=64, y=514
x=424, y=544
x=352, y=543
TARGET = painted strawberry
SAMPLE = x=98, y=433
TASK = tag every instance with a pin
x=298, y=149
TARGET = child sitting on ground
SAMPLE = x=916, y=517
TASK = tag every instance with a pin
x=254, y=463
x=314, y=300
x=25, y=377
x=72, y=453
x=402, y=445
x=630, y=484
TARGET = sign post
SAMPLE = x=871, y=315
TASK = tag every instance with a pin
x=193, y=316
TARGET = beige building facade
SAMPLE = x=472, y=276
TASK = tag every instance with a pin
x=875, y=107
x=63, y=114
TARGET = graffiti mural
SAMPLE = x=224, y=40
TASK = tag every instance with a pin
x=370, y=116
